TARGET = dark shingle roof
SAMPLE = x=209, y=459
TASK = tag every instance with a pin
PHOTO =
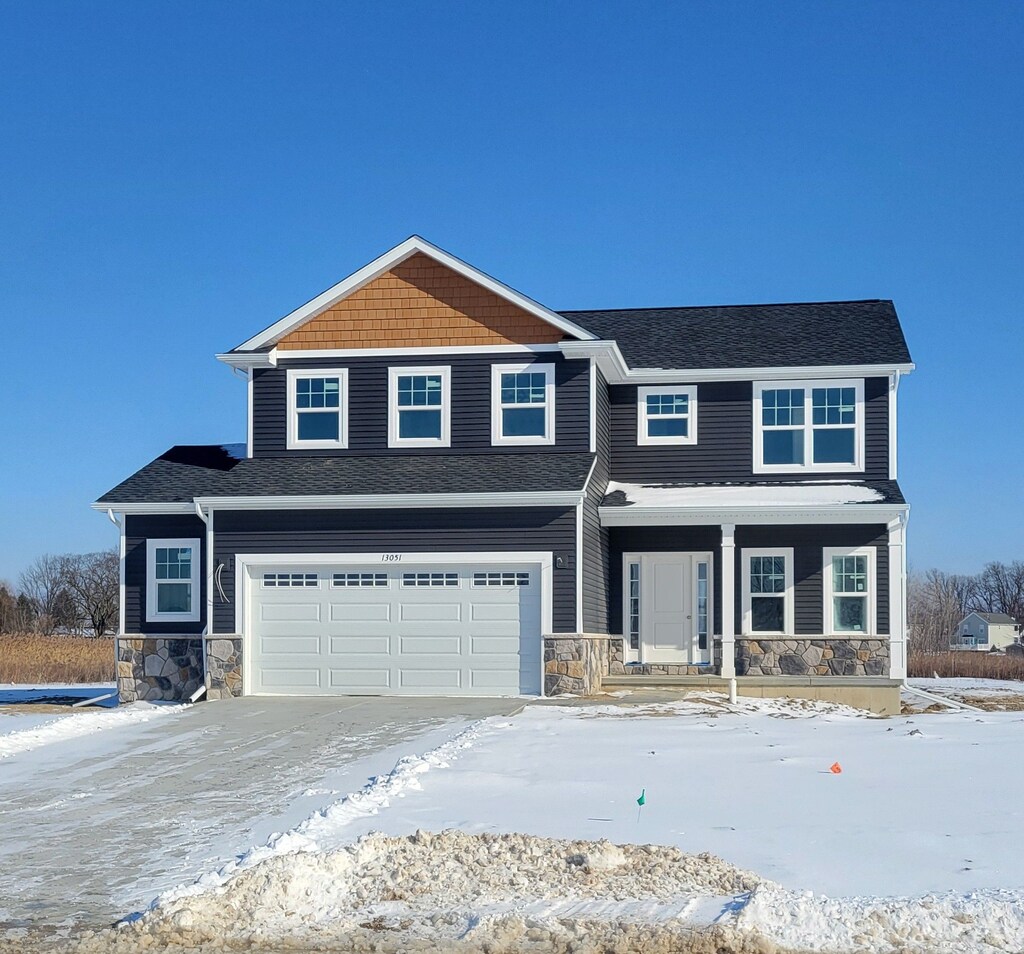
x=889, y=490
x=997, y=618
x=803, y=334
x=222, y=471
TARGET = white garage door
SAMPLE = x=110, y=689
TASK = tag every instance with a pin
x=417, y=630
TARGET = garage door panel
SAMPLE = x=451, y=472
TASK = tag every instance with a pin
x=430, y=678
x=290, y=645
x=357, y=679
x=284, y=679
x=497, y=679
x=360, y=645
x=361, y=612
x=290, y=612
x=431, y=612
x=430, y=645
x=488, y=612
x=494, y=645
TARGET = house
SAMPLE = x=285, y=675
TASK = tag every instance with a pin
x=986, y=631
x=449, y=488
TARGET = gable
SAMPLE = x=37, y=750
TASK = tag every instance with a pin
x=420, y=302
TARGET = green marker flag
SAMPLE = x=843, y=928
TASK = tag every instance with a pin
x=642, y=800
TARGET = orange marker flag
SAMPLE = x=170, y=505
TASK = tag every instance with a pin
x=835, y=768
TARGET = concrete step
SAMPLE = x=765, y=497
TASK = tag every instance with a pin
x=835, y=682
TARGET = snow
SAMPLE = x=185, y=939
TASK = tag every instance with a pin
x=898, y=852
x=962, y=686
x=31, y=731
x=817, y=494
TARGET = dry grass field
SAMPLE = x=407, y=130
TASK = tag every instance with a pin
x=975, y=665
x=69, y=659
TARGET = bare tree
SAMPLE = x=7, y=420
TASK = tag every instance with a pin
x=1000, y=589
x=93, y=584
x=44, y=585
x=936, y=603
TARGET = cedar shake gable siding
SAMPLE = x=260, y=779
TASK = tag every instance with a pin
x=420, y=303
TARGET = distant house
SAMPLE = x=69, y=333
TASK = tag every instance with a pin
x=986, y=631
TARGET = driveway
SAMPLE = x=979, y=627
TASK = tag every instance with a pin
x=91, y=833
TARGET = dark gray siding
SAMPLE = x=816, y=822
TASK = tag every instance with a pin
x=375, y=531
x=471, y=404
x=596, y=558
x=808, y=543
x=137, y=530
x=643, y=539
x=724, y=448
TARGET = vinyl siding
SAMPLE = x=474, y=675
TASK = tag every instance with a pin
x=139, y=529
x=596, y=557
x=409, y=531
x=808, y=544
x=724, y=448
x=470, y=395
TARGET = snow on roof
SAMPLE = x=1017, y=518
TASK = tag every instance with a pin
x=817, y=494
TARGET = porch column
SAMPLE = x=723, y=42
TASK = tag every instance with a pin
x=728, y=600
x=898, y=598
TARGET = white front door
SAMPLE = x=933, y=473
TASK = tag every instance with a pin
x=675, y=607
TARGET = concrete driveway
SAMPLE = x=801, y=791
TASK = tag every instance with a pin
x=91, y=833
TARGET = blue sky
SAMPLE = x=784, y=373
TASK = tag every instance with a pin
x=175, y=176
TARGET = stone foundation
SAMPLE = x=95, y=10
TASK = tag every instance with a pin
x=577, y=663
x=158, y=668
x=223, y=667
x=812, y=657
x=669, y=669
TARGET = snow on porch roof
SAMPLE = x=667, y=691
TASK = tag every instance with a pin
x=728, y=496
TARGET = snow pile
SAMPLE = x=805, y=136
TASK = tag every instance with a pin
x=65, y=728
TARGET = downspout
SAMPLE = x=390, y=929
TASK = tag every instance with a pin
x=207, y=519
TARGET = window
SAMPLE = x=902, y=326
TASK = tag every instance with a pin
x=703, y=569
x=272, y=580
x=523, y=404
x=317, y=409
x=430, y=579
x=768, y=591
x=809, y=426
x=419, y=407
x=666, y=415
x=849, y=591
x=501, y=579
x=359, y=579
x=633, y=604
x=172, y=581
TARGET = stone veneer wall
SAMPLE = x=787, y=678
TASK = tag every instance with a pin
x=578, y=663
x=158, y=668
x=812, y=657
x=224, y=667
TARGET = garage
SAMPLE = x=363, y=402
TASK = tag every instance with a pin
x=410, y=630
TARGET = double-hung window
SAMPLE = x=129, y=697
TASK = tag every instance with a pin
x=317, y=409
x=768, y=591
x=523, y=404
x=808, y=426
x=419, y=407
x=849, y=576
x=172, y=581
x=666, y=415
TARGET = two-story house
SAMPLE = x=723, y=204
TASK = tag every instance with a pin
x=448, y=488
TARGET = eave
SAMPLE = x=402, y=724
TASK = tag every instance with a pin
x=631, y=516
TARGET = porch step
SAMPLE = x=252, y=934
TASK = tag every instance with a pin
x=637, y=680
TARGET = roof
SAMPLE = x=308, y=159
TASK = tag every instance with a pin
x=765, y=494
x=799, y=334
x=186, y=472
x=997, y=618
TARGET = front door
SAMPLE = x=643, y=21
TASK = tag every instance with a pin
x=675, y=600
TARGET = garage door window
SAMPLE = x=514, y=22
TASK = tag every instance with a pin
x=430, y=579
x=278, y=580
x=360, y=579
x=501, y=579
x=172, y=580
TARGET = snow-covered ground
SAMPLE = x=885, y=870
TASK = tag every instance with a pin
x=995, y=691
x=904, y=849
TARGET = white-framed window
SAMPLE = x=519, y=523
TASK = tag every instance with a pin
x=419, y=407
x=360, y=579
x=285, y=580
x=522, y=404
x=632, y=602
x=317, y=408
x=767, y=588
x=501, y=579
x=430, y=579
x=172, y=581
x=849, y=578
x=666, y=415
x=808, y=426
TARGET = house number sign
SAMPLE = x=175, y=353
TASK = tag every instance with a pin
x=391, y=558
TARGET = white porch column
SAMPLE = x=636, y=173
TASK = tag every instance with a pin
x=728, y=600
x=898, y=597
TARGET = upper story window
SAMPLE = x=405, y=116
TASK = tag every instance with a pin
x=666, y=415
x=808, y=426
x=768, y=591
x=419, y=407
x=172, y=581
x=317, y=409
x=522, y=404
x=849, y=590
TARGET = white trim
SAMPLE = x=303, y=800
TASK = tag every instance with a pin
x=248, y=422
x=592, y=433
x=898, y=598
x=298, y=374
x=728, y=668
x=152, y=544
x=808, y=427
x=707, y=516
x=627, y=559
x=122, y=550
x=538, y=498
x=642, y=419
x=156, y=507
x=871, y=595
x=275, y=357
x=578, y=560
x=498, y=438
x=445, y=373
x=788, y=593
x=894, y=391
x=389, y=260
x=243, y=562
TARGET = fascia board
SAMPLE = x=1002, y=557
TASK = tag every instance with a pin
x=706, y=516
x=154, y=507
x=388, y=260
x=394, y=501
